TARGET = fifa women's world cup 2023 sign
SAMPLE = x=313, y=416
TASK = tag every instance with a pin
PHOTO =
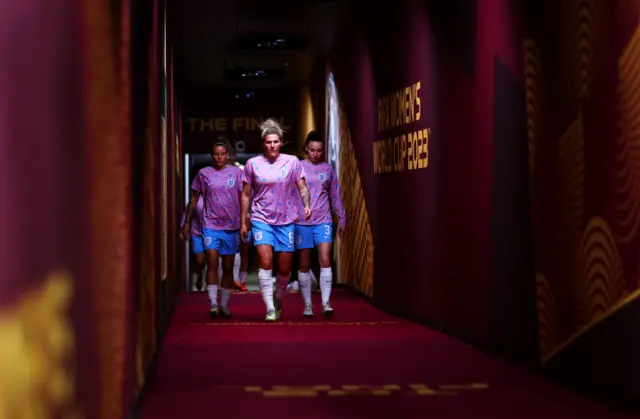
x=400, y=149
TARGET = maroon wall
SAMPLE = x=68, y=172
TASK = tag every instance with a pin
x=438, y=229
x=454, y=242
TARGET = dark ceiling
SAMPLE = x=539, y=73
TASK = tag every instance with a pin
x=205, y=34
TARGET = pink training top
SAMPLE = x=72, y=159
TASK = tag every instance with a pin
x=273, y=184
x=221, y=191
x=325, y=195
x=196, y=218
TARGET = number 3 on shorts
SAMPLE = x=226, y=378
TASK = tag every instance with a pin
x=327, y=230
x=290, y=238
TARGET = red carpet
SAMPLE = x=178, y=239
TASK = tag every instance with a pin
x=361, y=364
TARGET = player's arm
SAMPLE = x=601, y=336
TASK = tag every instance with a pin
x=245, y=201
x=304, y=192
x=195, y=195
x=337, y=206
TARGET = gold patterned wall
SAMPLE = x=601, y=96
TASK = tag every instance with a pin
x=356, y=245
x=583, y=112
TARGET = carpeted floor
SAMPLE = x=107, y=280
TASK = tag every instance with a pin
x=361, y=364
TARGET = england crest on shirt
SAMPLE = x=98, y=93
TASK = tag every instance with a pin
x=284, y=171
x=231, y=182
x=323, y=177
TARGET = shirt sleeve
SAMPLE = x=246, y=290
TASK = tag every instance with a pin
x=239, y=179
x=297, y=171
x=196, y=185
x=184, y=215
x=247, y=174
x=336, y=200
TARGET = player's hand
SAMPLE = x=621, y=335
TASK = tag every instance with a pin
x=186, y=231
x=244, y=233
x=340, y=231
x=307, y=213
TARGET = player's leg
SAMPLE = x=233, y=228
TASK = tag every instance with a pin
x=304, y=245
x=229, y=244
x=211, y=255
x=197, y=247
x=323, y=237
x=285, y=246
x=200, y=262
x=264, y=240
x=237, y=260
x=244, y=266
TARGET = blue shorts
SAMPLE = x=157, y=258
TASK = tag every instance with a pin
x=197, y=244
x=225, y=242
x=308, y=237
x=280, y=237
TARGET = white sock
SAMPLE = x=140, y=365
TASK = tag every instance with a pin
x=219, y=271
x=283, y=281
x=326, y=278
x=304, y=281
x=194, y=281
x=236, y=268
x=204, y=278
x=266, y=287
x=225, y=294
x=243, y=277
x=212, y=290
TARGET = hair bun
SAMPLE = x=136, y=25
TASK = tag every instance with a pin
x=313, y=136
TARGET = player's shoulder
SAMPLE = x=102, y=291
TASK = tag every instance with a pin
x=205, y=171
x=252, y=161
x=325, y=167
x=291, y=158
x=236, y=171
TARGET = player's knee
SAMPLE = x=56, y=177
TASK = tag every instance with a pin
x=266, y=261
x=212, y=262
x=324, y=261
x=284, y=270
x=304, y=264
x=324, y=255
x=227, y=264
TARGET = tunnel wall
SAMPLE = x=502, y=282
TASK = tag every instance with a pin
x=157, y=254
x=427, y=175
x=69, y=284
x=47, y=287
x=583, y=109
x=515, y=226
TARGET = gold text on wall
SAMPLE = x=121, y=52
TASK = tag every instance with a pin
x=404, y=150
